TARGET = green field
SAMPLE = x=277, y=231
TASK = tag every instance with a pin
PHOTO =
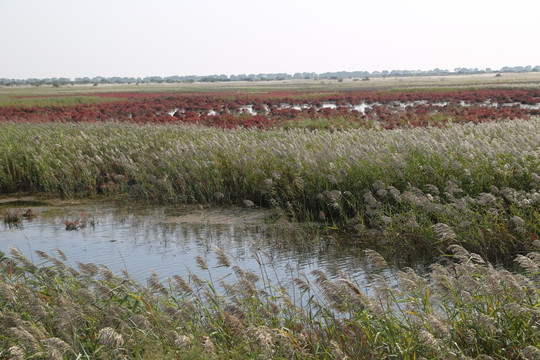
x=54, y=101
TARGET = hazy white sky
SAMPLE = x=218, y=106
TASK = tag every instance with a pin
x=76, y=38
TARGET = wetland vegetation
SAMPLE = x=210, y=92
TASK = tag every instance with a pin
x=463, y=309
x=419, y=189
x=453, y=175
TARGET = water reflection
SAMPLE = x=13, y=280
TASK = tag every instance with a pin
x=168, y=239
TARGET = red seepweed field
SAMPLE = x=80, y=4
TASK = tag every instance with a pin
x=359, y=108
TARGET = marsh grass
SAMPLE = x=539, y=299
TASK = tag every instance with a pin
x=54, y=101
x=12, y=217
x=334, y=123
x=413, y=190
x=464, y=308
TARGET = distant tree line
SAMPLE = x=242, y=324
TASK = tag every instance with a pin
x=337, y=75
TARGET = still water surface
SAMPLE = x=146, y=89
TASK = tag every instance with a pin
x=167, y=239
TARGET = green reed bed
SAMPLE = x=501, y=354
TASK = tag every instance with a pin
x=463, y=308
x=413, y=189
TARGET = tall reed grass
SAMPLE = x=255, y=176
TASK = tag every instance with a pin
x=422, y=188
x=464, y=308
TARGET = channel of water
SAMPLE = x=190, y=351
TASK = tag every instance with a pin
x=362, y=107
x=167, y=240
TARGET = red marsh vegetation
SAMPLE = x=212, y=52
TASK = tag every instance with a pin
x=387, y=109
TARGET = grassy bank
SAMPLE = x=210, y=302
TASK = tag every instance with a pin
x=413, y=189
x=463, y=309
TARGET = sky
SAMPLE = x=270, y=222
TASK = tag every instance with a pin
x=79, y=38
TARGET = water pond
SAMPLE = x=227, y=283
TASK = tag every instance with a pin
x=362, y=107
x=167, y=240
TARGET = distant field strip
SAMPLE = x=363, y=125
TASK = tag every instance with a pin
x=54, y=101
x=387, y=109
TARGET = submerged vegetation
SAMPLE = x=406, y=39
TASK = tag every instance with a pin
x=463, y=309
x=408, y=189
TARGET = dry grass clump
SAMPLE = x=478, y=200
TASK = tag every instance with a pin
x=14, y=217
x=412, y=189
x=464, y=308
